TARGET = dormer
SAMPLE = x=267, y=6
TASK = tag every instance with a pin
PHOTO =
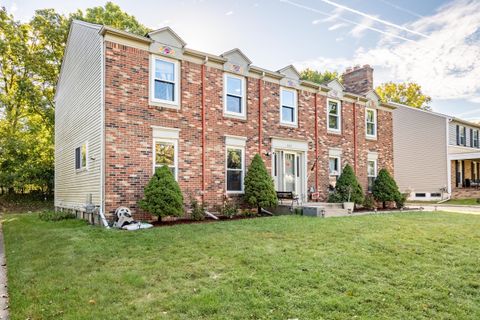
x=237, y=61
x=292, y=77
x=166, y=42
x=336, y=89
x=373, y=99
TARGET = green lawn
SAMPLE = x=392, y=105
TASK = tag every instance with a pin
x=394, y=266
x=467, y=201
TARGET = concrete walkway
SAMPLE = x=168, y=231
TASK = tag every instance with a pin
x=451, y=208
x=3, y=278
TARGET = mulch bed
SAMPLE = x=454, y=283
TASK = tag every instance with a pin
x=172, y=222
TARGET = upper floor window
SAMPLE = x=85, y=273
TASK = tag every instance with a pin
x=164, y=80
x=166, y=155
x=234, y=98
x=371, y=123
x=288, y=104
x=476, y=142
x=235, y=169
x=81, y=157
x=334, y=117
x=371, y=173
x=461, y=135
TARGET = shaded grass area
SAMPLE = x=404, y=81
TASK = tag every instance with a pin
x=21, y=203
x=393, y=266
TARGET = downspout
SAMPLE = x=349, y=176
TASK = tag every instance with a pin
x=260, y=123
x=204, y=147
x=316, y=142
x=101, y=209
x=355, y=137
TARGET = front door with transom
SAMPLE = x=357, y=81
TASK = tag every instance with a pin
x=288, y=171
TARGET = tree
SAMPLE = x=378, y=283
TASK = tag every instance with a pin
x=408, y=93
x=385, y=188
x=319, y=77
x=259, y=187
x=112, y=15
x=347, y=188
x=162, y=195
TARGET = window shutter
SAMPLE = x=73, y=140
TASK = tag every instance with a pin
x=465, y=136
x=458, y=135
x=77, y=158
x=471, y=137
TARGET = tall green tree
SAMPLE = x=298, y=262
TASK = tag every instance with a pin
x=259, y=187
x=112, y=15
x=385, y=188
x=319, y=77
x=408, y=93
x=347, y=188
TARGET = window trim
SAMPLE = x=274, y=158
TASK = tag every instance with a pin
x=339, y=164
x=82, y=168
x=295, y=107
x=243, y=114
x=175, y=104
x=462, y=131
x=175, y=153
x=339, y=115
x=375, y=121
x=242, y=149
x=476, y=138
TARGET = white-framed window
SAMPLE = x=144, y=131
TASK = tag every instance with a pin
x=462, y=138
x=81, y=157
x=165, y=153
x=371, y=173
x=334, y=166
x=371, y=123
x=334, y=115
x=288, y=106
x=234, y=95
x=476, y=142
x=165, y=79
x=235, y=168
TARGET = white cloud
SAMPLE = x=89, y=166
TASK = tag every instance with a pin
x=13, y=8
x=446, y=64
x=316, y=21
x=359, y=29
x=337, y=26
x=229, y=13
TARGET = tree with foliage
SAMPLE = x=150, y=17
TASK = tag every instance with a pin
x=112, y=15
x=347, y=188
x=409, y=94
x=259, y=187
x=162, y=195
x=385, y=188
x=319, y=77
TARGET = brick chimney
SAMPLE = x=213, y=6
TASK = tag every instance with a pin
x=358, y=79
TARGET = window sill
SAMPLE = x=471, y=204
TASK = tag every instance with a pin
x=288, y=125
x=335, y=132
x=235, y=116
x=81, y=170
x=164, y=105
x=235, y=193
x=371, y=138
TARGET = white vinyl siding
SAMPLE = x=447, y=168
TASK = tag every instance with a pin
x=78, y=118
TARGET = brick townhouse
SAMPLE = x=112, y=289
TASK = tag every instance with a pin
x=126, y=104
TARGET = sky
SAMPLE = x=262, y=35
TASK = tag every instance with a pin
x=432, y=42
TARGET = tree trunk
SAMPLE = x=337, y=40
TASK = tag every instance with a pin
x=384, y=204
x=159, y=218
x=259, y=210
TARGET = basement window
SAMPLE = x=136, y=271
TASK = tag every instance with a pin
x=420, y=195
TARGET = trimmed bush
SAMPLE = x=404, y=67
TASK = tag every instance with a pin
x=385, y=188
x=259, y=187
x=369, y=202
x=162, y=195
x=48, y=215
x=198, y=211
x=229, y=209
x=347, y=188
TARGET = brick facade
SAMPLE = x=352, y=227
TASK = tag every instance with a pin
x=129, y=119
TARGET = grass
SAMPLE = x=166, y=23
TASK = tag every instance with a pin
x=466, y=201
x=393, y=266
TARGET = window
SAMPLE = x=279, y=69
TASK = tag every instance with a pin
x=371, y=123
x=476, y=143
x=288, y=103
x=334, y=115
x=166, y=155
x=165, y=81
x=371, y=173
x=462, y=136
x=81, y=157
x=234, y=99
x=435, y=195
x=235, y=172
x=334, y=166
x=420, y=195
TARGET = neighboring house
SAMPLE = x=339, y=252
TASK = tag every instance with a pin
x=126, y=104
x=435, y=155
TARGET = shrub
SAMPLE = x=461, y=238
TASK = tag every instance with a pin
x=48, y=215
x=162, y=195
x=400, y=202
x=198, y=211
x=369, y=202
x=229, y=210
x=347, y=188
x=385, y=188
x=259, y=187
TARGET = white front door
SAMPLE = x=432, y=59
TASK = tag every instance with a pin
x=288, y=171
